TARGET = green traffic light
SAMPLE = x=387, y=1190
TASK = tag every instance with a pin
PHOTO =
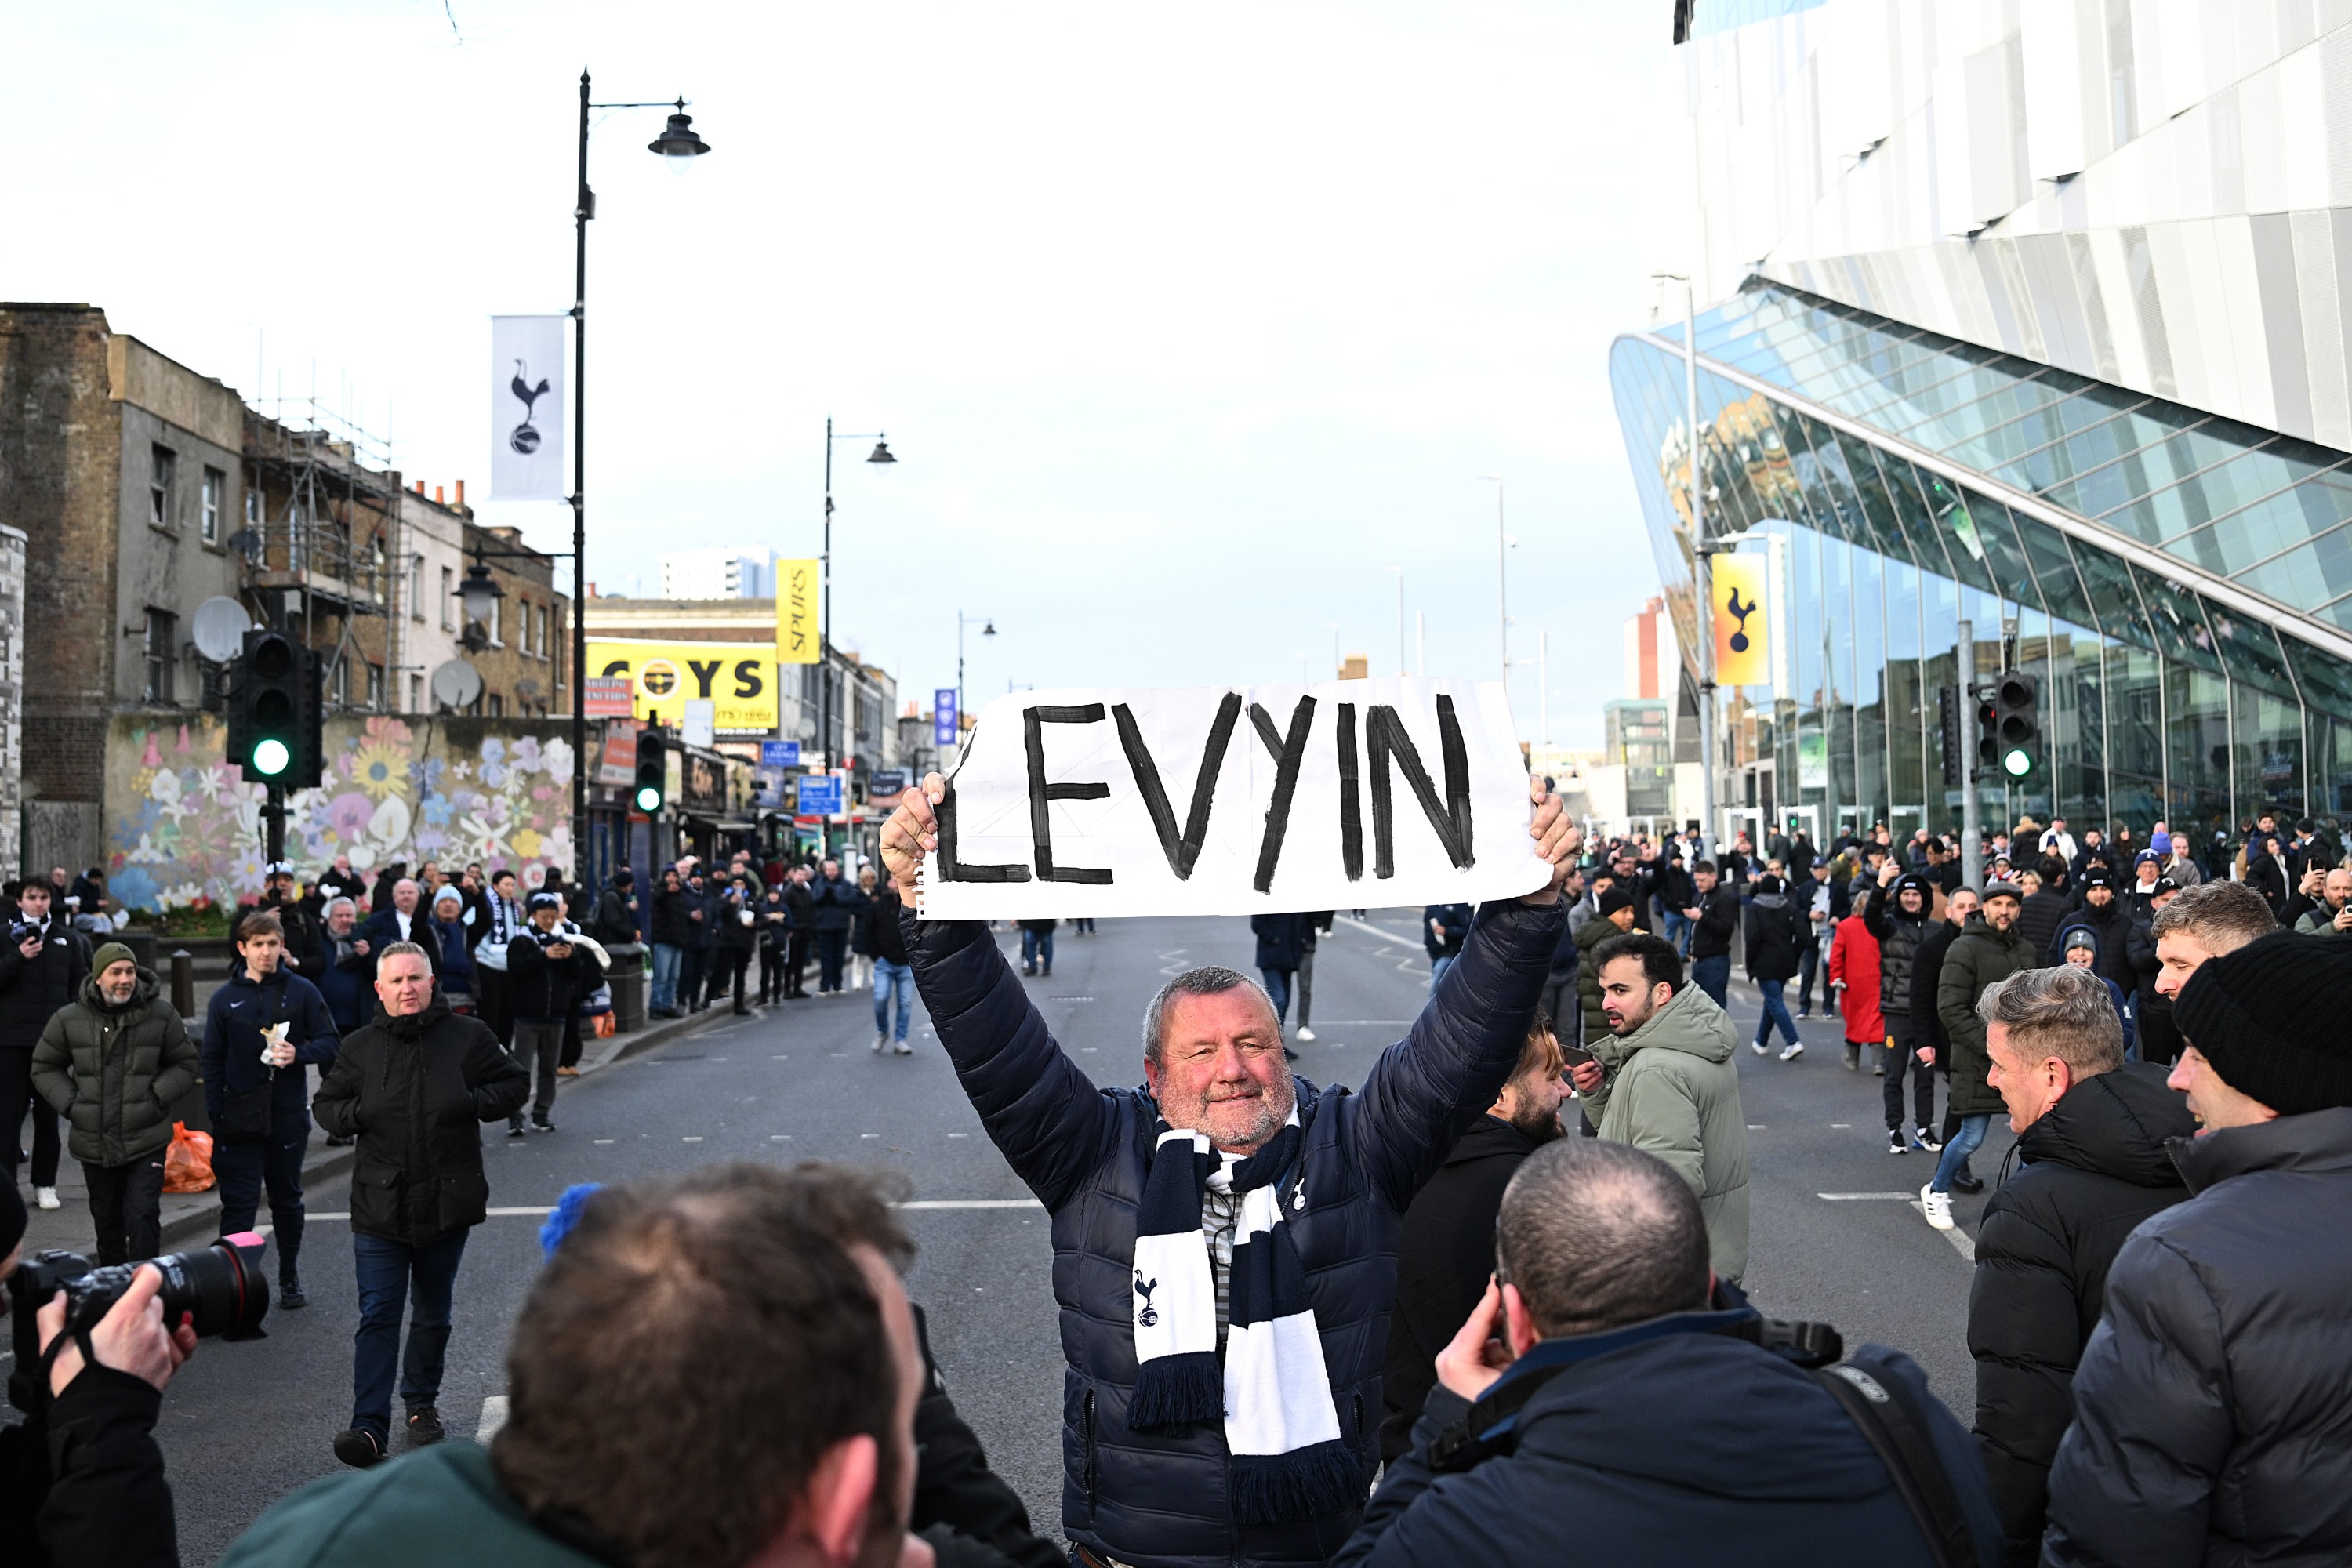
x=2017, y=761
x=270, y=757
x=648, y=799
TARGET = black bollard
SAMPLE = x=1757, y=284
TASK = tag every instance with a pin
x=183, y=984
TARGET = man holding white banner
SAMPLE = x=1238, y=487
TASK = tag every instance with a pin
x=1225, y=1235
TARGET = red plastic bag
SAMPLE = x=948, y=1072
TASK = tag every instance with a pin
x=188, y=1163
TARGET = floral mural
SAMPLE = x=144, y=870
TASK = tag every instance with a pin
x=185, y=828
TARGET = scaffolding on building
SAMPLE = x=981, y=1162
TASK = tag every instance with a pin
x=323, y=531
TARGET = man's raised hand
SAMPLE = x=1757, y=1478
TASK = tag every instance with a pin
x=1558, y=840
x=912, y=832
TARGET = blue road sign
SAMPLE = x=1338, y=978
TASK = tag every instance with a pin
x=943, y=716
x=780, y=753
x=820, y=795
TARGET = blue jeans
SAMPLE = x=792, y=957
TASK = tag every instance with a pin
x=666, y=958
x=1809, y=959
x=893, y=980
x=427, y=1276
x=1776, y=1009
x=1036, y=945
x=1712, y=975
x=1437, y=968
x=1963, y=1143
x=1277, y=991
x=1676, y=927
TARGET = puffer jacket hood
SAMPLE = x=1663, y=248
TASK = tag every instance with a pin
x=1681, y=1024
x=2116, y=1124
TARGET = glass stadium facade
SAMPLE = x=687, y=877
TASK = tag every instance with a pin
x=2180, y=583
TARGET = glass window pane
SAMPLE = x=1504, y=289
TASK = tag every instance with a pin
x=1870, y=570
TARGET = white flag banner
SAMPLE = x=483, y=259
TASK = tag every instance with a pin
x=1218, y=800
x=527, y=408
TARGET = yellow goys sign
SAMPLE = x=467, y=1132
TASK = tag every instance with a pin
x=738, y=678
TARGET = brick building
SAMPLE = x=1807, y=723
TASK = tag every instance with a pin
x=145, y=488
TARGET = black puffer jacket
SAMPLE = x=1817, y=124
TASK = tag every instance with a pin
x=2096, y=1165
x=1899, y=934
x=414, y=1093
x=1927, y=1023
x=33, y=989
x=2210, y=1406
x=1156, y=1500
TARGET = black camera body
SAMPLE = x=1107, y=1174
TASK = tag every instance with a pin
x=219, y=1288
x=22, y=931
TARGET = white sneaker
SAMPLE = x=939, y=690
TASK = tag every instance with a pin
x=1304, y=1033
x=46, y=1198
x=1796, y=1048
x=1759, y=1048
x=1926, y=1139
x=903, y=1049
x=880, y=1041
x=1939, y=1206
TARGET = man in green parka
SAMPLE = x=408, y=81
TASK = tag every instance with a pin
x=1665, y=1082
x=114, y=1062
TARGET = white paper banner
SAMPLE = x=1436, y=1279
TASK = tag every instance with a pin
x=527, y=408
x=1218, y=800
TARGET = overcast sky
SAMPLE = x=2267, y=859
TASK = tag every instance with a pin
x=1186, y=324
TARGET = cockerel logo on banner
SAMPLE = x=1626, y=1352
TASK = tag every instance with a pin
x=1743, y=639
x=527, y=408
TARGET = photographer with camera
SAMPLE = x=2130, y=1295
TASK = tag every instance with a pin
x=42, y=966
x=412, y=1088
x=81, y=1480
x=547, y=972
x=113, y=1062
x=261, y=1031
x=1608, y=1387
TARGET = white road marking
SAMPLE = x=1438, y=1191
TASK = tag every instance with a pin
x=604, y=1140
x=1962, y=1242
x=780, y=1137
x=973, y=1204
x=1868, y=1197
x=1370, y=930
x=1841, y=1126
x=691, y=1140
x=959, y=1135
x=494, y=1415
x=869, y=1135
x=1756, y=1126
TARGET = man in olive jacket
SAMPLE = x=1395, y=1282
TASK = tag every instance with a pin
x=1663, y=1082
x=411, y=1089
x=1988, y=951
x=113, y=1062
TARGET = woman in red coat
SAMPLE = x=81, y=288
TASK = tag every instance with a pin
x=1853, y=965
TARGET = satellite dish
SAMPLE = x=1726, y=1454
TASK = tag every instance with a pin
x=456, y=684
x=220, y=627
x=527, y=687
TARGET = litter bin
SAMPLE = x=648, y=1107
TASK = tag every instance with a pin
x=627, y=978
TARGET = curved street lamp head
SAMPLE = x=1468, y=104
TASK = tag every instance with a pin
x=479, y=592
x=679, y=142
x=881, y=453
x=989, y=630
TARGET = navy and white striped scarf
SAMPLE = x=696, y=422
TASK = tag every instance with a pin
x=1287, y=1460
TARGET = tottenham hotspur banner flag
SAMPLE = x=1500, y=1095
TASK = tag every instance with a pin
x=527, y=408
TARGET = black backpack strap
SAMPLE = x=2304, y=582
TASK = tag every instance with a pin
x=1882, y=1408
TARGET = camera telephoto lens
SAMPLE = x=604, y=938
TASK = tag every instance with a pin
x=220, y=1289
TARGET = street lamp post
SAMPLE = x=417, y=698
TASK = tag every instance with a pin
x=1702, y=587
x=679, y=143
x=881, y=454
x=1502, y=584
x=987, y=629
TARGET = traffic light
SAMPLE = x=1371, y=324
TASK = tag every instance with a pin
x=653, y=772
x=275, y=723
x=2017, y=710
x=1988, y=734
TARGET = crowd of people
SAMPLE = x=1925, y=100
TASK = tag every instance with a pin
x=1434, y=1319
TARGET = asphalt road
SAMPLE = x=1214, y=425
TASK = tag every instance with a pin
x=244, y=1423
